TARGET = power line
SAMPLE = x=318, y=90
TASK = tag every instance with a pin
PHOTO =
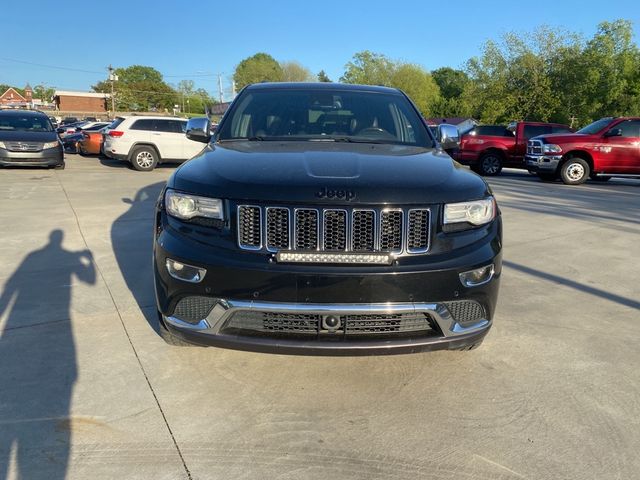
x=71, y=69
x=50, y=66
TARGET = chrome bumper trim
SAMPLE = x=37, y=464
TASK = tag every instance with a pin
x=543, y=162
x=225, y=308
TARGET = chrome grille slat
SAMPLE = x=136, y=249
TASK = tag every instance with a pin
x=534, y=147
x=23, y=147
x=386, y=230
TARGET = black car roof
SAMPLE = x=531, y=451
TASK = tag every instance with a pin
x=35, y=113
x=321, y=86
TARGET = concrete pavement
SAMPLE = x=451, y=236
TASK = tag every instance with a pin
x=89, y=390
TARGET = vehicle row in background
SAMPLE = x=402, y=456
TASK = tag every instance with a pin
x=489, y=148
x=606, y=148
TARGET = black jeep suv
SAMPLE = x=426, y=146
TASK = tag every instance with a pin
x=325, y=219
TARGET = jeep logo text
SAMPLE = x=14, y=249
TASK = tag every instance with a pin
x=347, y=195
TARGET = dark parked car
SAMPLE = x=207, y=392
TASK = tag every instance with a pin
x=68, y=120
x=27, y=138
x=325, y=219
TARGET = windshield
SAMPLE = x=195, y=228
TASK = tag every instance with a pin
x=595, y=127
x=325, y=115
x=31, y=123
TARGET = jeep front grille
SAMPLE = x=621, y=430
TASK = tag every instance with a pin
x=276, y=228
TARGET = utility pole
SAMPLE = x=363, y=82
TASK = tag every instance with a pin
x=220, y=88
x=112, y=77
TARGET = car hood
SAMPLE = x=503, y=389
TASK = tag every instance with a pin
x=563, y=137
x=22, y=136
x=308, y=172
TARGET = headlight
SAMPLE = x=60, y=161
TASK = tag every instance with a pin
x=2, y=145
x=186, y=206
x=551, y=148
x=51, y=144
x=478, y=212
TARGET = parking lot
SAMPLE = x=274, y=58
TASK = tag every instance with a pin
x=89, y=389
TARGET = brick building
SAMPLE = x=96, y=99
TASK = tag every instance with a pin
x=80, y=101
x=12, y=99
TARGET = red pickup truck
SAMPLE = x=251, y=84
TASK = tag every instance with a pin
x=488, y=148
x=606, y=148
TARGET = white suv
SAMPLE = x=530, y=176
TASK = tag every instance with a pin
x=147, y=141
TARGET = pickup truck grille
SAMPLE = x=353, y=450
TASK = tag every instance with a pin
x=275, y=228
x=534, y=147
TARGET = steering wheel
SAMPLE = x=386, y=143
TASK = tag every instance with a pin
x=374, y=131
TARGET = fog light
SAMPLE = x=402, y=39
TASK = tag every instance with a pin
x=476, y=277
x=184, y=272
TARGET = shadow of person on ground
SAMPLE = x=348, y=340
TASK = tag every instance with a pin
x=38, y=360
x=132, y=243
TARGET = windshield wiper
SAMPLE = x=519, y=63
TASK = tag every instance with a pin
x=360, y=140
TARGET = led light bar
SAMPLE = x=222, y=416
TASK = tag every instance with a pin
x=334, y=257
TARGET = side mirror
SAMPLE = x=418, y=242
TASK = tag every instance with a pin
x=199, y=130
x=448, y=136
x=614, y=132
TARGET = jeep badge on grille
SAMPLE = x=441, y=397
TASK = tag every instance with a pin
x=325, y=192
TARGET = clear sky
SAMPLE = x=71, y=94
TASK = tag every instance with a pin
x=198, y=40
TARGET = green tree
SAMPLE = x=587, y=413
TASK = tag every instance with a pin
x=323, y=77
x=451, y=82
x=43, y=93
x=295, y=72
x=418, y=84
x=260, y=67
x=140, y=88
x=554, y=75
x=368, y=68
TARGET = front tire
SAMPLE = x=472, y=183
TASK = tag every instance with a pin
x=575, y=171
x=490, y=164
x=144, y=159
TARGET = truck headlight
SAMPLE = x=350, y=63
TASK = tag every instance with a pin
x=551, y=148
x=185, y=206
x=477, y=212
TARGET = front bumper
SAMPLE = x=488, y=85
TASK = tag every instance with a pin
x=446, y=333
x=45, y=158
x=542, y=163
x=244, y=283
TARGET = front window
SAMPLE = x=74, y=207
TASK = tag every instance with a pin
x=25, y=123
x=325, y=115
x=595, y=127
